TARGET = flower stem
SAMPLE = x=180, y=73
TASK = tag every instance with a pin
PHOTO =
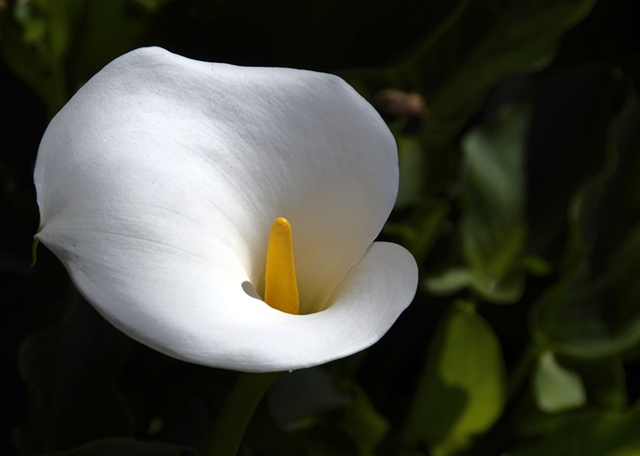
x=229, y=427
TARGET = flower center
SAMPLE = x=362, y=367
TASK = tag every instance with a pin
x=280, y=284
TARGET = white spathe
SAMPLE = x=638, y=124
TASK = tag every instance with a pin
x=159, y=181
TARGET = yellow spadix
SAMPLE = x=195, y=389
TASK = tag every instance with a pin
x=280, y=284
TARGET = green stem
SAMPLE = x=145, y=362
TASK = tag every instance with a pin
x=237, y=410
x=521, y=372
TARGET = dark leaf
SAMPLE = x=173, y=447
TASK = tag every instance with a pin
x=70, y=369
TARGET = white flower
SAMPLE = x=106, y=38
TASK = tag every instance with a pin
x=158, y=184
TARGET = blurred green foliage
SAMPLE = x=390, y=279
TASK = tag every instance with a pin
x=462, y=391
x=518, y=131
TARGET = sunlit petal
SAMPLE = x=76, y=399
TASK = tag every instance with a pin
x=158, y=184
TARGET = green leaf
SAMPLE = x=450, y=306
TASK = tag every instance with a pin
x=412, y=165
x=363, y=423
x=493, y=224
x=28, y=49
x=70, y=369
x=592, y=311
x=294, y=408
x=151, y=5
x=458, y=70
x=108, y=29
x=488, y=249
x=556, y=388
x=592, y=433
x=604, y=379
x=56, y=46
x=450, y=281
x=128, y=447
x=569, y=145
x=472, y=56
x=340, y=408
x=60, y=18
x=421, y=228
x=631, y=450
x=462, y=390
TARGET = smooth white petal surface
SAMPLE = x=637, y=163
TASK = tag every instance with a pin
x=159, y=181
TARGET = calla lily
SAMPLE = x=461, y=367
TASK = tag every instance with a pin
x=158, y=184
